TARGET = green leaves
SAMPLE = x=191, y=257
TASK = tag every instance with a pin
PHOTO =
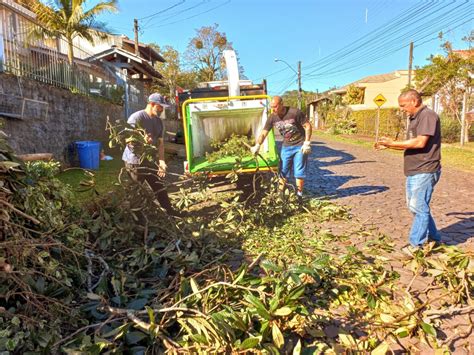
x=277, y=336
x=428, y=329
x=258, y=306
x=283, y=312
x=250, y=343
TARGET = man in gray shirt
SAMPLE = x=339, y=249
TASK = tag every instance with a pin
x=155, y=170
x=422, y=167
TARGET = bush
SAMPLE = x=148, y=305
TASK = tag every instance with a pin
x=450, y=129
x=390, y=124
x=340, y=121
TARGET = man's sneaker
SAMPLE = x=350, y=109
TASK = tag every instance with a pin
x=409, y=251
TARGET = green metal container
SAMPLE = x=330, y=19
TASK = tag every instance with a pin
x=215, y=119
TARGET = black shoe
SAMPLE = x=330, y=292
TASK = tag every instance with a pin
x=175, y=213
x=300, y=200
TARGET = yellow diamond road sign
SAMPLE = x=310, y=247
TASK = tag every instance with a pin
x=380, y=100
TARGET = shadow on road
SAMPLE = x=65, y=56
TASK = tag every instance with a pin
x=461, y=231
x=323, y=182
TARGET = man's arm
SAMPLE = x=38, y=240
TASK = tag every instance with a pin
x=161, y=149
x=418, y=142
x=261, y=137
x=308, y=130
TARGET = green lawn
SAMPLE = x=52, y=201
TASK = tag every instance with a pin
x=452, y=155
x=105, y=179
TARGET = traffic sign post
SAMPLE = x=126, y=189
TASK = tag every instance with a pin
x=379, y=101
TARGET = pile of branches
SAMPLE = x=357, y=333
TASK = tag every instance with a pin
x=122, y=276
x=235, y=146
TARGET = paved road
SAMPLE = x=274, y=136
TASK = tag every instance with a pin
x=373, y=185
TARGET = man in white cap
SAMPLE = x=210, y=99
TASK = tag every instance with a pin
x=143, y=169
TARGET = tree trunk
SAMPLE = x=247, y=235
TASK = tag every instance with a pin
x=463, y=117
x=70, y=52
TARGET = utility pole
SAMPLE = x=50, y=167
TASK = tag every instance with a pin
x=410, y=64
x=298, y=74
x=463, y=117
x=135, y=29
x=299, y=85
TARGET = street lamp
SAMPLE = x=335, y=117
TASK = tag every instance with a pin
x=298, y=73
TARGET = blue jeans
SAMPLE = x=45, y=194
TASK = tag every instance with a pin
x=292, y=159
x=419, y=189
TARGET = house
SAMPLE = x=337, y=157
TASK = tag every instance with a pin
x=312, y=108
x=99, y=68
x=389, y=85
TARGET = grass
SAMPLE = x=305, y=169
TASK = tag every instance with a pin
x=105, y=179
x=452, y=155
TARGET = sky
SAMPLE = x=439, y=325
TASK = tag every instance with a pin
x=337, y=41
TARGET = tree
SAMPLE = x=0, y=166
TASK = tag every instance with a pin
x=173, y=74
x=448, y=76
x=354, y=95
x=204, y=53
x=69, y=19
x=451, y=78
x=290, y=98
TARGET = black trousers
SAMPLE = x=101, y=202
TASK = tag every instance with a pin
x=148, y=172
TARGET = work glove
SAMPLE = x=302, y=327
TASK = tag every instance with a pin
x=306, y=147
x=255, y=149
x=162, y=168
x=162, y=165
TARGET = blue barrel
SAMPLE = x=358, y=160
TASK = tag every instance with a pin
x=89, y=154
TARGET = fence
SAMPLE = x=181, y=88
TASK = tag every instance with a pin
x=43, y=60
x=391, y=122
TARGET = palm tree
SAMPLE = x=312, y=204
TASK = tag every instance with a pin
x=69, y=19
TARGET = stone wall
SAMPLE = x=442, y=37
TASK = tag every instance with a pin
x=53, y=119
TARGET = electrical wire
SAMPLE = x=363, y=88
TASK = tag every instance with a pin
x=380, y=35
x=379, y=53
x=409, y=13
x=350, y=69
x=190, y=17
x=162, y=11
x=385, y=45
x=145, y=25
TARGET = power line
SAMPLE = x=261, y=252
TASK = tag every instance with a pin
x=372, y=60
x=162, y=11
x=378, y=53
x=377, y=36
x=380, y=47
x=335, y=55
x=410, y=12
x=144, y=26
x=190, y=17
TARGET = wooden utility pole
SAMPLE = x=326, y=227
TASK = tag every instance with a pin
x=299, y=85
x=410, y=64
x=135, y=29
x=463, y=117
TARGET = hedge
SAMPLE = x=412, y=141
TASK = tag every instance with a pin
x=390, y=124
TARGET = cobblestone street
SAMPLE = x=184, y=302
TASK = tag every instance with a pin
x=372, y=184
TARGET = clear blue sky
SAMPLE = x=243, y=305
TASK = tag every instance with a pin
x=337, y=41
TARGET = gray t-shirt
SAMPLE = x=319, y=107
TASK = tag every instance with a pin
x=428, y=159
x=290, y=126
x=152, y=125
